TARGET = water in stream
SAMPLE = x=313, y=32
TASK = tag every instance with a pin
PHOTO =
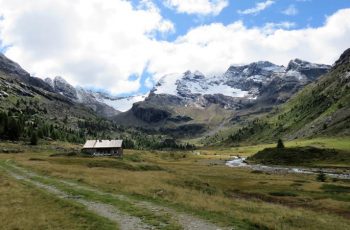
x=240, y=162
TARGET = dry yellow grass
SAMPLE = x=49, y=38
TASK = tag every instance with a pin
x=238, y=194
x=25, y=207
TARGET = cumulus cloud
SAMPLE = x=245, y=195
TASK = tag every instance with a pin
x=260, y=6
x=291, y=10
x=212, y=48
x=200, y=7
x=91, y=43
x=101, y=44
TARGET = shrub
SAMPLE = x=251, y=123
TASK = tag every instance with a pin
x=321, y=177
x=283, y=193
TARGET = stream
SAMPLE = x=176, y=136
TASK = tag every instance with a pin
x=240, y=162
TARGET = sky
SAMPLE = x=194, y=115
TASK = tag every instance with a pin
x=125, y=47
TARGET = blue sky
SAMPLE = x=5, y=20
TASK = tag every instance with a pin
x=310, y=13
x=125, y=47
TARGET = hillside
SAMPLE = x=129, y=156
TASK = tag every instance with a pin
x=30, y=105
x=320, y=109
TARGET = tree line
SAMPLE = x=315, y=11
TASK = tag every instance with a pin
x=17, y=126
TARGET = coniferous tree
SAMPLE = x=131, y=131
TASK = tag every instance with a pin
x=280, y=144
x=3, y=124
x=34, y=138
x=14, y=130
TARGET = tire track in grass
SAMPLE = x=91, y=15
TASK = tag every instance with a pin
x=124, y=221
x=187, y=222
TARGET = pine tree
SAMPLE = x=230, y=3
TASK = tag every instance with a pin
x=34, y=138
x=14, y=130
x=280, y=144
x=3, y=123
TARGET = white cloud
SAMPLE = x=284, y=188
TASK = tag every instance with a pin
x=201, y=7
x=101, y=44
x=212, y=48
x=291, y=10
x=271, y=27
x=91, y=43
x=260, y=6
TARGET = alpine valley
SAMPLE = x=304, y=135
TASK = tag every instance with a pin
x=246, y=100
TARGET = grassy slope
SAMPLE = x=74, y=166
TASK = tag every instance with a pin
x=203, y=186
x=322, y=108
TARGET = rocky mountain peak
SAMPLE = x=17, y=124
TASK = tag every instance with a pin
x=61, y=80
x=50, y=82
x=63, y=87
x=196, y=76
x=262, y=68
x=344, y=58
x=295, y=64
x=15, y=71
x=308, y=71
x=298, y=64
x=11, y=67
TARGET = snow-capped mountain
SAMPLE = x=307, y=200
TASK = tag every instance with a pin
x=120, y=103
x=237, y=87
x=244, y=81
x=192, y=101
x=103, y=103
x=197, y=84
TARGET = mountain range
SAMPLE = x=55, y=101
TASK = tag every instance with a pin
x=192, y=103
x=188, y=104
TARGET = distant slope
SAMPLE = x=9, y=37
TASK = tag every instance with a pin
x=320, y=109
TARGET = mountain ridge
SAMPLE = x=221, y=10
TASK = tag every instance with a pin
x=322, y=108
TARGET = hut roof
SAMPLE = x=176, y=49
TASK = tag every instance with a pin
x=95, y=144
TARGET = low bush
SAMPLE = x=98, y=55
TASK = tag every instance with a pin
x=297, y=155
x=283, y=193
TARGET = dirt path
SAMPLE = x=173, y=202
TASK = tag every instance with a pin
x=124, y=221
x=186, y=221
